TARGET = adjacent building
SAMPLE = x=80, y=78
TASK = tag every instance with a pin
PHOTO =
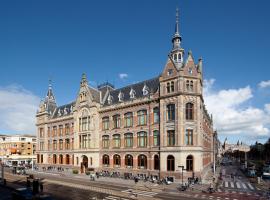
x=152, y=127
x=17, y=150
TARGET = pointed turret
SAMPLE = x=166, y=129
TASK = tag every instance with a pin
x=49, y=102
x=84, y=80
x=177, y=52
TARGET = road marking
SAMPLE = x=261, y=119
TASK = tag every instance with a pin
x=226, y=184
x=141, y=193
x=244, y=186
x=238, y=185
x=111, y=198
x=232, y=184
x=250, y=186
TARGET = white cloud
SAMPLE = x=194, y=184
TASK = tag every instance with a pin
x=18, y=108
x=123, y=76
x=264, y=84
x=233, y=116
x=267, y=108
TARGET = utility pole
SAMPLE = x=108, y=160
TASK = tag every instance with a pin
x=182, y=167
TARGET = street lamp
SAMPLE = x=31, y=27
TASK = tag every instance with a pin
x=182, y=167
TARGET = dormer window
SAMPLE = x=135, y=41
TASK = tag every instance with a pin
x=65, y=111
x=132, y=93
x=121, y=96
x=190, y=70
x=59, y=113
x=110, y=98
x=170, y=72
x=145, y=90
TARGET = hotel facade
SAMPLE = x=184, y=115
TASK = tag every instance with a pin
x=150, y=128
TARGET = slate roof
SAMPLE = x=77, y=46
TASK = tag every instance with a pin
x=95, y=93
x=152, y=84
x=63, y=110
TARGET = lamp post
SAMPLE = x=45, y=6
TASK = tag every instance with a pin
x=182, y=167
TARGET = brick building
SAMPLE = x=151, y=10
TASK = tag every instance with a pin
x=150, y=128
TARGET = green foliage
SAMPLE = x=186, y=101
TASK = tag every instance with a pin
x=75, y=171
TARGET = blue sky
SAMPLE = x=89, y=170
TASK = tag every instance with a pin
x=60, y=40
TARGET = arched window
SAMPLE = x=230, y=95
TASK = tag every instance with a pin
x=105, y=141
x=189, y=163
x=116, y=160
x=156, y=138
x=54, y=159
x=156, y=162
x=116, y=121
x=189, y=111
x=168, y=88
x=105, y=123
x=67, y=159
x=142, y=115
x=142, y=139
x=106, y=160
x=142, y=162
x=175, y=57
x=189, y=137
x=129, y=160
x=38, y=158
x=170, y=163
x=54, y=144
x=179, y=56
x=171, y=138
x=187, y=85
x=156, y=115
x=191, y=86
x=128, y=118
x=128, y=140
x=172, y=86
x=116, y=141
x=170, y=112
x=41, y=158
x=60, y=159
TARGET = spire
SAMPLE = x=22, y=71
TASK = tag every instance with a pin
x=50, y=95
x=176, y=37
x=84, y=79
x=50, y=103
x=177, y=21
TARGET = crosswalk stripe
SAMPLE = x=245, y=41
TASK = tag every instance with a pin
x=232, y=184
x=238, y=185
x=244, y=186
x=226, y=184
x=250, y=186
x=111, y=197
x=142, y=193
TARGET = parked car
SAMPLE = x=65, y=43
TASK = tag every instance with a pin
x=251, y=173
x=266, y=171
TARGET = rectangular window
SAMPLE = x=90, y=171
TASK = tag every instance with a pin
x=116, y=121
x=156, y=138
x=171, y=138
x=41, y=132
x=128, y=120
x=67, y=129
x=84, y=141
x=142, y=139
x=156, y=115
x=189, y=137
x=49, y=131
x=54, y=131
x=116, y=141
x=60, y=130
x=128, y=140
x=142, y=117
x=105, y=141
x=84, y=126
x=105, y=123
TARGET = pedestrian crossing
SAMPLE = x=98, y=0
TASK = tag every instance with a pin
x=140, y=193
x=114, y=198
x=238, y=185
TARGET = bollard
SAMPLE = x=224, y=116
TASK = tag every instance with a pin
x=35, y=186
x=41, y=187
x=5, y=182
x=28, y=183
